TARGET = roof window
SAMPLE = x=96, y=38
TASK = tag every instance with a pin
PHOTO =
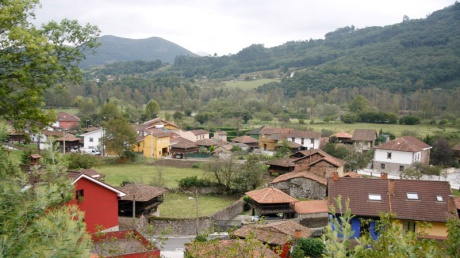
x=412, y=196
x=375, y=197
x=439, y=198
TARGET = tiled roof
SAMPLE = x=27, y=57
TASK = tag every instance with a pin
x=255, y=131
x=283, y=162
x=245, y=139
x=143, y=193
x=277, y=233
x=65, y=117
x=406, y=143
x=267, y=130
x=207, y=142
x=68, y=137
x=53, y=133
x=330, y=159
x=158, y=133
x=343, y=135
x=182, y=143
x=314, y=206
x=199, y=132
x=270, y=195
x=393, y=197
x=364, y=135
x=303, y=134
x=305, y=174
x=230, y=248
x=307, y=153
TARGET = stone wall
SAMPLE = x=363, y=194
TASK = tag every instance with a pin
x=302, y=187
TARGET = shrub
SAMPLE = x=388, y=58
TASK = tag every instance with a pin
x=85, y=161
x=311, y=246
x=194, y=181
x=196, y=165
x=409, y=120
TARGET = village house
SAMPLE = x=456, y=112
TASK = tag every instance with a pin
x=400, y=153
x=301, y=185
x=144, y=199
x=364, y=139
x=93, y=139
x=200, y=134
x=153, y=143
x=271, y=201
x=67, y=121
x=307, y=139
x=220, y=136
x=248, y=140
x=411, y=201
x=159, y=123
x=313, y=214
x=180, y=147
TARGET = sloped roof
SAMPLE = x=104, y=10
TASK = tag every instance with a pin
x=270, y=195
x=268, y=130
x=107, y=186
x=303, y=134
x=393, y=198
x=142, y=193
x=277, y=233
x=364, y=135
x=245, y=139
x=343, y=135
x=199, y=132
x=255, y=131
x=304, y=174
x=68, y=137
x=158, y=121
x=89, y=172
x=182, y=143
x=406, y=143
x=314, y=206
x=300, y=155
x=65, y=117
x=283, y=162
x=158, y=133
x=331, y=160
x=53, y=133
x=207, y=142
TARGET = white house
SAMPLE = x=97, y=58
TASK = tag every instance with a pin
x=400, y=154
x=93, y=139
x=200, y=134
x=307, y=139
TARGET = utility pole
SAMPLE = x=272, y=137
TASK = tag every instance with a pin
x=134, y=210
x=196, y=206
x=63, y=146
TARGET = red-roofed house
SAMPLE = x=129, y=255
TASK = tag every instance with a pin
x=364, y=139
x=400, y=153
x=200, y=134
x=67, y=121
x=271, y=201
x=98, y=200
x=312, y=214
x=412, y=202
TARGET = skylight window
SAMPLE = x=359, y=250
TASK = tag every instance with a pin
x=412, y=196
x=439, y=198
x=375, y=197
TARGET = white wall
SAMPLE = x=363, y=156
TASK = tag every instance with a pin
x=96, y=136
x=400, y=157
x=306, y=142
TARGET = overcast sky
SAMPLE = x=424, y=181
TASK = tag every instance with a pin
x=226, y=27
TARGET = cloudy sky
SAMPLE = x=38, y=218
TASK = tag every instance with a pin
x=226, y=27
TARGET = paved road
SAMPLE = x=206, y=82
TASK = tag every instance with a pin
x=174, y=247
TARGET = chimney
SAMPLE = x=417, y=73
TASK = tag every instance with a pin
x=335, y=176
x=384, y=175
x=297, y=233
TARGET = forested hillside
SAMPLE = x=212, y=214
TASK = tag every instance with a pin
x=115, y=49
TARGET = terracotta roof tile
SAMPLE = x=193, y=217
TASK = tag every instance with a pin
x=364, y=135
x=199, y=132
x=283, y=162
x=270, y=195
x=143, y=193
x=65, y=117
x=343, y=135
x=277, y=233
x=207, y=142
x=406, y=143
x=303, y=134
x=182, y=143
x=267, y=130
x=314, y=206
x=245, y=139
x=305, y=174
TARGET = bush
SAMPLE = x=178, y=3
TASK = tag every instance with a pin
x=194, y=181
x=409, y=120
x=312, y=247
x=85, y=161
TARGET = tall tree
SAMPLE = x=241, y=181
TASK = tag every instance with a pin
x=152, y=109
x=359, y=104
x=33, y=59
x=119, y=136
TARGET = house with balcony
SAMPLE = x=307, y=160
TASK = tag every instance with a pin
x=153, y=143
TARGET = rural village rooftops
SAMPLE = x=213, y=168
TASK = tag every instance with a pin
x=304, y=174
x=313, y=206
x=270, y=195
x=141, y=192
x=406, y=143
x=364, y=135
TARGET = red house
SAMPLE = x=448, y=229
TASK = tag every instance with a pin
x=67, y=121
x=98, y=200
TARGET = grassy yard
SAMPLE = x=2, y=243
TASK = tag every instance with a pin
x=179, y=205
x=146, y=174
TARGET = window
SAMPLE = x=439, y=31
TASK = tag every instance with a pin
x=412, y=196
x=409, y=226
x=79, y=195
x=292, y=139
x=312, y=141
x=301, y=140
x=388, y=155
x=439, y=198
x=382, y=166
x=401, y=168
x=91, y=139
x=375, y=197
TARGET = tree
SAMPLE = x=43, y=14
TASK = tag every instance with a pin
x=152, y=109
x=108, y=111
x=33, y=59
x=250, y=175
x=224, y=171
x=442, y=154
x=359, y=104
x=35, y=220
x=418, y=170
x=119, y=136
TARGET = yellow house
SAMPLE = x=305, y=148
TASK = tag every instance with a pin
x=155, y=144
x=269, y=137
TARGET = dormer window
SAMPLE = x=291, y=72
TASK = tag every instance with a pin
x=412, y=196
x=375, y=197
x=439, y=198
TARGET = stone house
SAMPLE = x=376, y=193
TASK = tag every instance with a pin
x=301, y=185
x=364, y=139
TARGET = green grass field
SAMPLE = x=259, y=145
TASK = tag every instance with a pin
x=146, y=174
x=247, y=85
x=179, y=205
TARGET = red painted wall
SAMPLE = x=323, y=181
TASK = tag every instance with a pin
x=67, y=124
x=99, y=204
